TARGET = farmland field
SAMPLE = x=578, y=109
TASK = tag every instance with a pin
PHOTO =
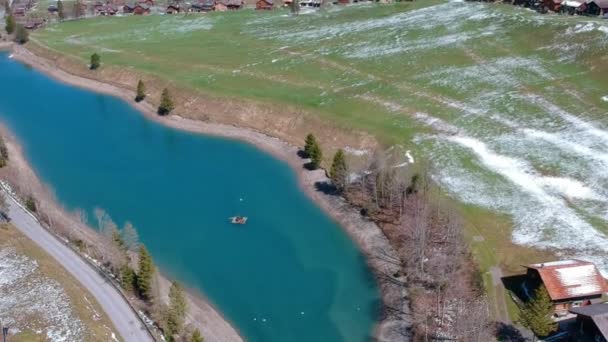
x=508, y=106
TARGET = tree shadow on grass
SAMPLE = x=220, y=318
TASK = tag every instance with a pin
x=508, y=332
x=310, y=166
x=326, y=188
x=302, y=154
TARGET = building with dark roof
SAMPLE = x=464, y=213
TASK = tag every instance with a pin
x=591, y=322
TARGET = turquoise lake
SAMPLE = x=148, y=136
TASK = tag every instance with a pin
x=290, y=274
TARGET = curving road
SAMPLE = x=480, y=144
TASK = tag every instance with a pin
x=125, y=320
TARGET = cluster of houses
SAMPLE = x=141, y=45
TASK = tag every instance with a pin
x=578, y=293
x=579, y=7
x=582, y=7
x=20, y=8
x=144, y=7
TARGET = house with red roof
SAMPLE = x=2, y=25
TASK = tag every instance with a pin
x=570, y=283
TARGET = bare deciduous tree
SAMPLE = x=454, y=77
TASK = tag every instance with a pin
x=130, y=237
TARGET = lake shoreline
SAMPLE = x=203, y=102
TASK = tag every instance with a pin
x=201, y=313
x=367, y=235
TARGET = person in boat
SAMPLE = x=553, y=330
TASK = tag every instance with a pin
x=239, y=220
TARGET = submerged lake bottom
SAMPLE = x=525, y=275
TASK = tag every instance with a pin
x=289, y=274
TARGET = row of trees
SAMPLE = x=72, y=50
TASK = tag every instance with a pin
x=166, y=105
x=428, y=236
x=21, y=36
x=338, y=172
x=119, y=245
x=3, y=153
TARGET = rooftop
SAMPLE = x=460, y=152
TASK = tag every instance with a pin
x=571, y=278
x=598, y=313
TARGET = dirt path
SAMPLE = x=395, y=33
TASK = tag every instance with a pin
x=502, y=312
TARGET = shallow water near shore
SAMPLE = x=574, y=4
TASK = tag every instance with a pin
x=289, y=274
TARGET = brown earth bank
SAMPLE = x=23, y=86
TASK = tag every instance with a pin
x=24, y=182
x=275, y=132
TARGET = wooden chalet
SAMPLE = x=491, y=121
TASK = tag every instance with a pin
x=223, y=5
x=552, y=5
x=19, y=11
x=109, y=10
x=34, y=23
x=52, y=9
x=264, y=4
x=597, y=7
x=570, y=283
x=128, y=8
x=287, y=3
x=343, y=2
x=104, y=9
x=141, y=9
x=173, y=9
x=136, y=8
x=591, y=323
x=572, y=6
x=203, y=6
x=310, y=3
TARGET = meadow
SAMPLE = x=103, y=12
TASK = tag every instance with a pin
x=507, y=105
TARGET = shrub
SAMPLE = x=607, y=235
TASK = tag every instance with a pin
x=166, y=103
x=30, y=204
x=21, y=35
x=95, y=61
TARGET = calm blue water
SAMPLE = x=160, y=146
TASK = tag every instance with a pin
x=290, y=274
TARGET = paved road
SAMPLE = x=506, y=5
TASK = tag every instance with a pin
x=121, y=315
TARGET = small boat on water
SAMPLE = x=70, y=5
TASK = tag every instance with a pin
x=238, y=220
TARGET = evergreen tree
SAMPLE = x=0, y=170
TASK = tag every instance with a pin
x=141, y=91
x=177, y=299
x=339, y=171
x=30, y=204
x=145, y=273
x=3, y=153
x=196, y=336
x=316, y=156
x=10, y=24
x=176, y=312
x=127, y=278
x=310, y=142
x=60, y=10
x=95, y=61
x=536, y=314
x=166, y=103
x=21, y=35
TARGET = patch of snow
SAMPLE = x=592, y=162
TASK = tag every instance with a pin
x=408, y=155
x=24, y=294
x=356, y=152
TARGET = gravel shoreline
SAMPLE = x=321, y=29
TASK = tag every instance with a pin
x=394, y=322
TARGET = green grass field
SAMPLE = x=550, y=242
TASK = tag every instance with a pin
x=507, y=105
